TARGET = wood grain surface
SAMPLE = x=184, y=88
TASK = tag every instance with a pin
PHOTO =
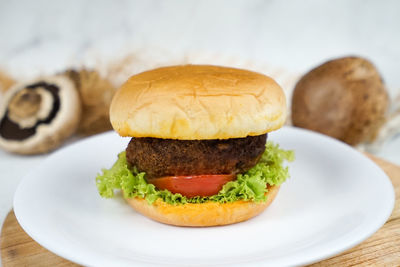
x=381, y=249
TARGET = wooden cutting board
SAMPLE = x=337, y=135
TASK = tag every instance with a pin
x=383, y=248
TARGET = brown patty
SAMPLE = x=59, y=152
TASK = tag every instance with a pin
x=167, y=157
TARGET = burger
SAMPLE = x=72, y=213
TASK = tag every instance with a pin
x=198, y=154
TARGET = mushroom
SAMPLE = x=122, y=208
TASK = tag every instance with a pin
x=96, y=94
x=37, y=116
x=5, y=81
x=344, y=98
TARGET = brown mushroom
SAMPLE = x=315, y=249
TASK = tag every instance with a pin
x=96, y=93
x=344, y=98
x=5, y=81
x=37, y=116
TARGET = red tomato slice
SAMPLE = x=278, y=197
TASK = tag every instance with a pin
x=193, y=185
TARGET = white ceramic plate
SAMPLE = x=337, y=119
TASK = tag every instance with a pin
x=335, y=199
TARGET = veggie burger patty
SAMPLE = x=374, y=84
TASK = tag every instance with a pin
x=170, y=157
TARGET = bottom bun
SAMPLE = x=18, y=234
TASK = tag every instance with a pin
x=202, y=214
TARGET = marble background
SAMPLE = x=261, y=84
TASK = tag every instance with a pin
x=43, y=37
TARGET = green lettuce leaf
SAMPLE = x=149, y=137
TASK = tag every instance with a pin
x=251, y=185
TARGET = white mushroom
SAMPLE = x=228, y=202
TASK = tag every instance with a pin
x=37, y=116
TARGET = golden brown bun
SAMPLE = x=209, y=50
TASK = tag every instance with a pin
x=204, y=214
x=192, y=102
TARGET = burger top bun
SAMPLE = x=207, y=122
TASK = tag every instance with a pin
x=192, y=102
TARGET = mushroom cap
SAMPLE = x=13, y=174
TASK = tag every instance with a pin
x=344, y=98
x=96, y=93
x=38, y=115
x=5, y=81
